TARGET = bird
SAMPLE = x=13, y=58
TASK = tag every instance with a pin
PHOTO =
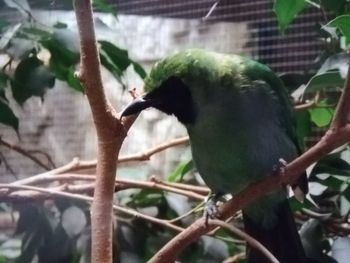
x=240, y=122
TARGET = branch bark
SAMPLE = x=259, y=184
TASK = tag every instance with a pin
x=77, y=165
x=110, y=135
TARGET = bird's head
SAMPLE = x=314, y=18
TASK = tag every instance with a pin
x=185, y=83
x=169, y=87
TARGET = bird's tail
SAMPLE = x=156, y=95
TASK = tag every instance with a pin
x=281, y=238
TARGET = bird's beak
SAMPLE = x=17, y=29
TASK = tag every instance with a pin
x=136, y=106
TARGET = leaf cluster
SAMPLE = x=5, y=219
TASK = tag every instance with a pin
x=38, y=55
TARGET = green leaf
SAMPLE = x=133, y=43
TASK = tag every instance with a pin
x=330, y=79
x=60, y=25
x=336, y=6
x=119, y=57
x=102, y=6
x=73, y=82
x=180, y=171
x=338, y=61
x=343, y=24
x=303, y=124
x=346, y=192
x=332, y=164
x=3, y=84
x=321, y=116
x=146, y=198
x=7, y=116
x=3, y=24
x=332, y=182
x=31, y=78
x=8, y=35
x=62, y=52
x=64, y=57
x=117, y=60
x=21, y=5
x=287, y=10
x=139, y=70
x=36, y=32
x=20, y=48
x=67, y=38
x=110, y=66
x=295, y=204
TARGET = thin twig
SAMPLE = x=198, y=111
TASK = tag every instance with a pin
x=125, y=184
x=211, y=10
x=55, y=192
x=234, y=258
x=67, y=167
x=188, y=213
x=24, y=153
x=47, y=156
x=8, y=166
x=341, y=115
x=250, y=240
x=203, y=190
x=76, y=164
x=145, y=156
x=121, y=184
x=307, y=105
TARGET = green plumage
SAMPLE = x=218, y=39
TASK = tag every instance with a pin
x=244, y=122
x=242, y=125
x=204, y=70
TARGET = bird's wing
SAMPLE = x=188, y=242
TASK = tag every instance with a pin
x=257, y=71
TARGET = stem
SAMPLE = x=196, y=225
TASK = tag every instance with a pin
x=110, y=135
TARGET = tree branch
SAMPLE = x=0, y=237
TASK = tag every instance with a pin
x=337, y=135
x=76, y=164
x=145, y=156
x=195, y=192
x=56, y=192
x=25, y=153
x=341, y=117
x=250, y=240
x=110, y=135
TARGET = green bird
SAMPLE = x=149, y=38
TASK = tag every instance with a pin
x=240, y=123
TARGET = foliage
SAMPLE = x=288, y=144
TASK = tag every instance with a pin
x=23, y=44
x=329, y=183
x=287, y=10
x=60, y=229
x=36, y=55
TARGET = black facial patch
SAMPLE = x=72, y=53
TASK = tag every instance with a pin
x=174, y=97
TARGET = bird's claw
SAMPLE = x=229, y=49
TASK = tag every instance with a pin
x=210, y=209
x=280, y=167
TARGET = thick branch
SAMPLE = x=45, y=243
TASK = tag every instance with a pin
x=110, y=135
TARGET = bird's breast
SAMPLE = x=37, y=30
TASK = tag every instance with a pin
x=230, y=153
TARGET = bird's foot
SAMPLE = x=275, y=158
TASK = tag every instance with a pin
x=279, y=168
x=211, y=208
